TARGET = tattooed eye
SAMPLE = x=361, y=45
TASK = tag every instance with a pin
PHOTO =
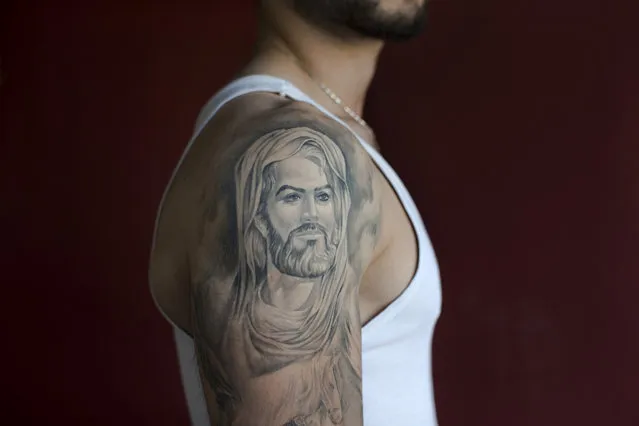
x=323, y=197
x=292, y=197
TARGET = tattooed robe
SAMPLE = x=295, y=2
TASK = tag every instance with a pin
x=310, y=386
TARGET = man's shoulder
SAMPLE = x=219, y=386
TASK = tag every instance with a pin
x=247, y=118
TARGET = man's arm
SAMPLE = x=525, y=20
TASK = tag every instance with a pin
x=289, y=221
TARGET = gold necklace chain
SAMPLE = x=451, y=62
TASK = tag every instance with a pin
x=338, y=101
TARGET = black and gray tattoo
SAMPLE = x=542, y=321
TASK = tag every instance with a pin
x=276, y=321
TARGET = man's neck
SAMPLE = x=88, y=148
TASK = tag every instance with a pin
x=291, y=48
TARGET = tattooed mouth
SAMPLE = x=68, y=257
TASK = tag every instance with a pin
x=309, y=230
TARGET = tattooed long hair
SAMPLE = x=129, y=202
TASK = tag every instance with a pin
x=289, y=334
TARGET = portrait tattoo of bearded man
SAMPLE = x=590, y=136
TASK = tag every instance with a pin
x=289, y=231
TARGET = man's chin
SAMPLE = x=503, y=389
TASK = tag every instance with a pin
x=391, y=31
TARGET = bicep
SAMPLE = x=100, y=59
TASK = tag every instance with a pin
x=276, y=320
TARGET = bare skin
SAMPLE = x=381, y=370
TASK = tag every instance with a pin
x=279, y=239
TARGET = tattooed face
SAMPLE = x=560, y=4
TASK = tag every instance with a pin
x=301, y=216
x=392, y=20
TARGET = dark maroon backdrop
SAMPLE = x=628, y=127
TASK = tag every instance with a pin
x=514, y=123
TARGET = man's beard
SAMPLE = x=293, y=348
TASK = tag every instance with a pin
x=312, y=261
x=363, y=17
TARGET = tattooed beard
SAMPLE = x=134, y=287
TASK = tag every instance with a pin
x=311, y=261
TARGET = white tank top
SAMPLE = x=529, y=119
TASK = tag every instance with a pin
x=396, y=344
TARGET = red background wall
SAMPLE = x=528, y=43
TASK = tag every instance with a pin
x=515, y=125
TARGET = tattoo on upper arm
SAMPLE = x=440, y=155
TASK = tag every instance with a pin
x=277, y=332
